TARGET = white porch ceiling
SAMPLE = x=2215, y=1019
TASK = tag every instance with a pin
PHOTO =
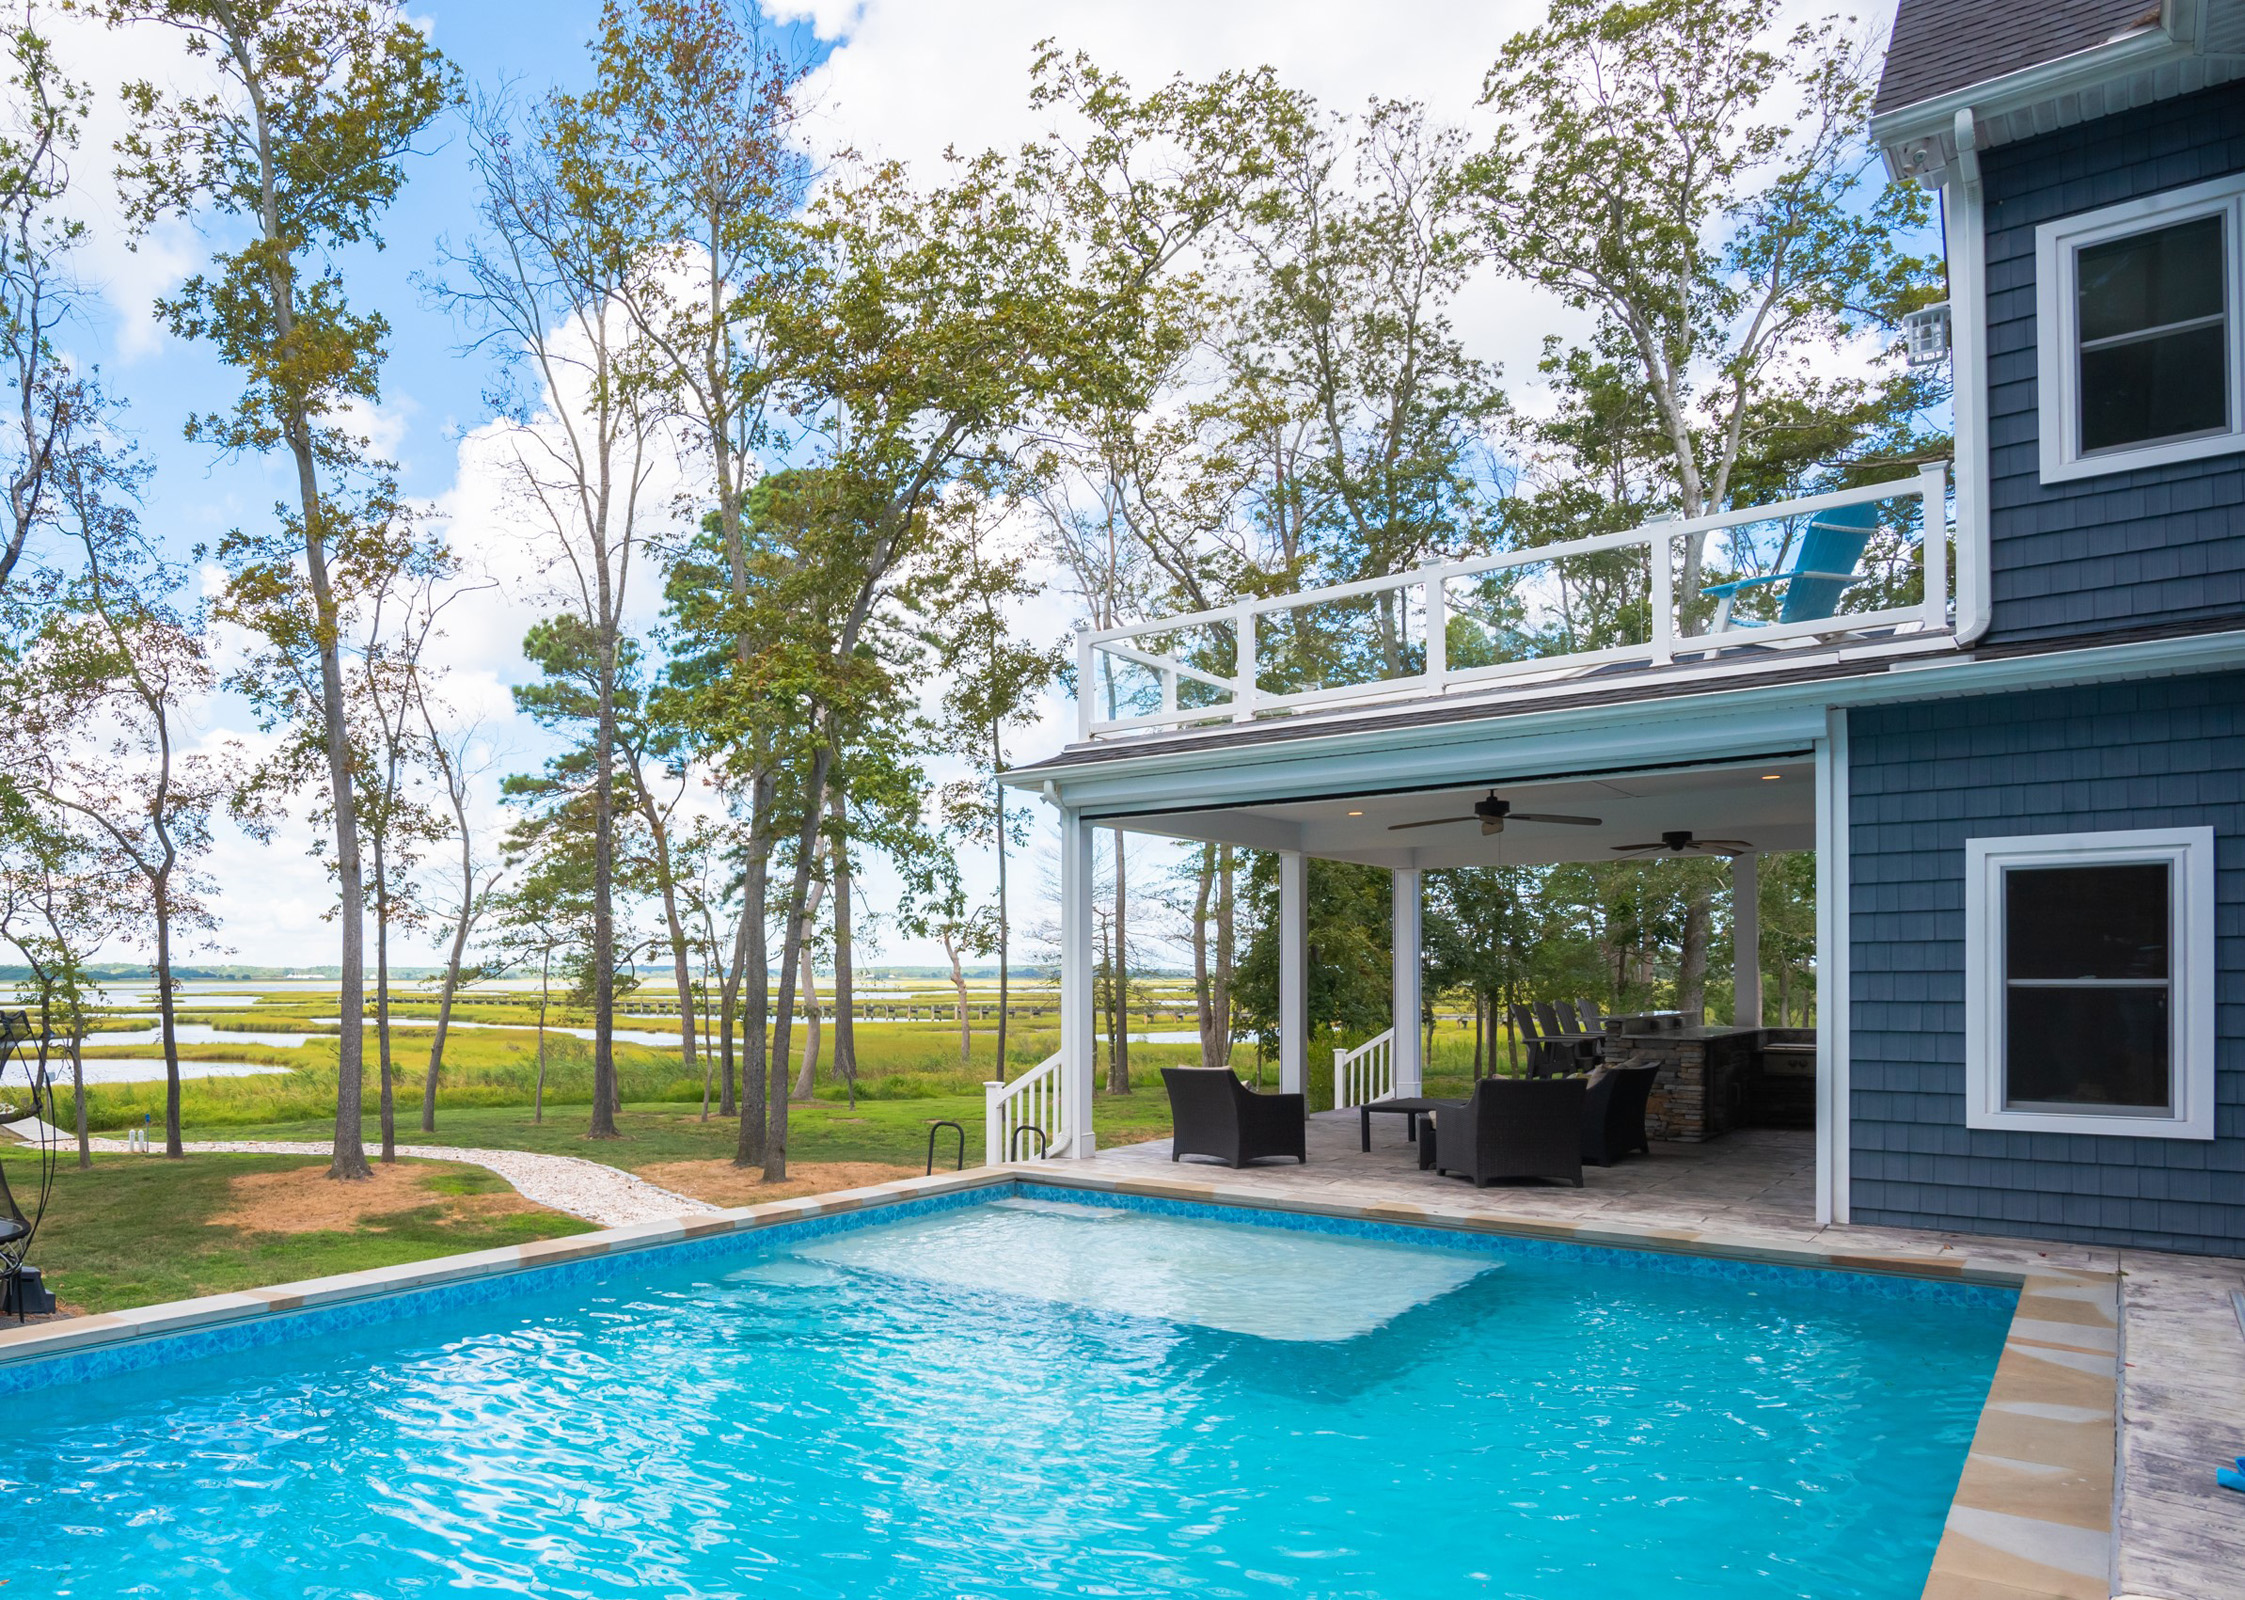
x=1770, y=805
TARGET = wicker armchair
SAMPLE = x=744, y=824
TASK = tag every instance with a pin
x=1214, y=1114
x=1514, y=1128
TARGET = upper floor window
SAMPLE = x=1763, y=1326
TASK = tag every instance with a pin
x=2141, y=311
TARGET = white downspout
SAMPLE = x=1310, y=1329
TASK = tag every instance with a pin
x=1966, y=245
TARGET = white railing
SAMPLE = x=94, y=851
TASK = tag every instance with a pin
x=1417, y=607
x=1035, y=1100
x=1365, y=1074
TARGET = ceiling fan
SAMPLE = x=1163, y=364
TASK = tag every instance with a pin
x=1678, y=841
x=1493, y=814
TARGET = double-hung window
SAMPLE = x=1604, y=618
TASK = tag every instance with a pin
x=2089, y=1005
x=2141, y=314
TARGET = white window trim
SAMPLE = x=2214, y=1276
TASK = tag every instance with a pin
x=2190, y=855
x=2056, y=246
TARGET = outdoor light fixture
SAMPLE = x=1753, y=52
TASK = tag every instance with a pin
x=1771, y=777
x=1356, y=813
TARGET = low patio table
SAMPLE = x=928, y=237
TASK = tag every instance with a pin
x=1409, y=1109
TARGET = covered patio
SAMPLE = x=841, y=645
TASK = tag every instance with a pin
x=1756, y=1177
x=1710, y=1148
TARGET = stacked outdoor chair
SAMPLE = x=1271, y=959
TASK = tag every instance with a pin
x=1513, y=1128
x=1214, y=1114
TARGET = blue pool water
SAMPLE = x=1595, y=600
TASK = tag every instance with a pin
x=1023, y=1398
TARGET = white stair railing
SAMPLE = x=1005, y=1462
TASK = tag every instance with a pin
x=1033, y=1100
x=1365, y=1074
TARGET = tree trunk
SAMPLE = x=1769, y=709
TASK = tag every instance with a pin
x=545, y=989
x=604, y=878
x=1204, y=1008
x=755, y=976
x=1220, y=998
x=728, y=1002
x=845, y=981
x=1691, y=966
x=382, y=998
x=349, y=1160
x=1118, y=1059
x=814, y=806
x=806, y=1081
x=78, y=1088
x=167, y=1013
x=959, y=990
x=667, y=884
x=460, y=931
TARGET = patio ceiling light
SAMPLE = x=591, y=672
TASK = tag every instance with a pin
x=1356, y=813
x=1771, y=777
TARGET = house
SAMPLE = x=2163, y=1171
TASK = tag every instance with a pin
x=2023, y=771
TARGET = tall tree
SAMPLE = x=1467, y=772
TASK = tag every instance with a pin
x=564, y=227
x=97, y=713
x=1697, y=183
x=452, y=751
x=300, y=142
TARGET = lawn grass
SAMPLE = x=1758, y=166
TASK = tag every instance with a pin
x=891, y=1131
x=133, y=1230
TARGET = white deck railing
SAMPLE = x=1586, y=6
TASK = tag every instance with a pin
x=1034, y=1100
x=1365, y=1074
x=1150, y=669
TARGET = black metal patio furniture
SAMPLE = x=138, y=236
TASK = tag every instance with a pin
x=1613, y=1118
x=1214, y=1114
x=1513, y=1128
x=1411, y=1110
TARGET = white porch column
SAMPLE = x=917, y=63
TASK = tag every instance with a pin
x=1078, y=1055
x=1409, y=1070
x=1746, y=940
x=1293, y=971
x=1834, y=950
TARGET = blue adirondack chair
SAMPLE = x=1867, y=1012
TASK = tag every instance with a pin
x=1824, y=568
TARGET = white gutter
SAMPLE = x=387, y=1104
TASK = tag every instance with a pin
x=1353, y=755
x=1930, y=124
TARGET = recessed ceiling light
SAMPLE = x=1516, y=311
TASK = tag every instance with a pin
x=1771, y=777
x=1356, y=813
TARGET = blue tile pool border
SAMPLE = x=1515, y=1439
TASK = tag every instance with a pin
x=233, y=1324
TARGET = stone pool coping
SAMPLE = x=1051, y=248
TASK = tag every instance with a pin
x=2033, y=1514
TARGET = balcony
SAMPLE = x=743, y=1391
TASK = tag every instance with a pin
x=1591, y=613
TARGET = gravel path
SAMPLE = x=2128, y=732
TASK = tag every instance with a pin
x=596, y=1192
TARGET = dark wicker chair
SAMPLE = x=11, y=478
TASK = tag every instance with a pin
x=1214, y=1114
x=1613, y=1117
x=1513, y=1128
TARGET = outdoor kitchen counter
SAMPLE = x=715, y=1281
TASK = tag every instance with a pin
x=1714, y=1079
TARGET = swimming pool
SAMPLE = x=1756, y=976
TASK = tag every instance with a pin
x=1023, y=1395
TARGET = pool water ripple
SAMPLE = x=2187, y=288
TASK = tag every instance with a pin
x=786, y=1422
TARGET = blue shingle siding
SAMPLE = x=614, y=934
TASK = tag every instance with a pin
x=2127, y=549
x=1924, y=778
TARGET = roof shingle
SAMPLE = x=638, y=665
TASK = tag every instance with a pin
x=1941, y=45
